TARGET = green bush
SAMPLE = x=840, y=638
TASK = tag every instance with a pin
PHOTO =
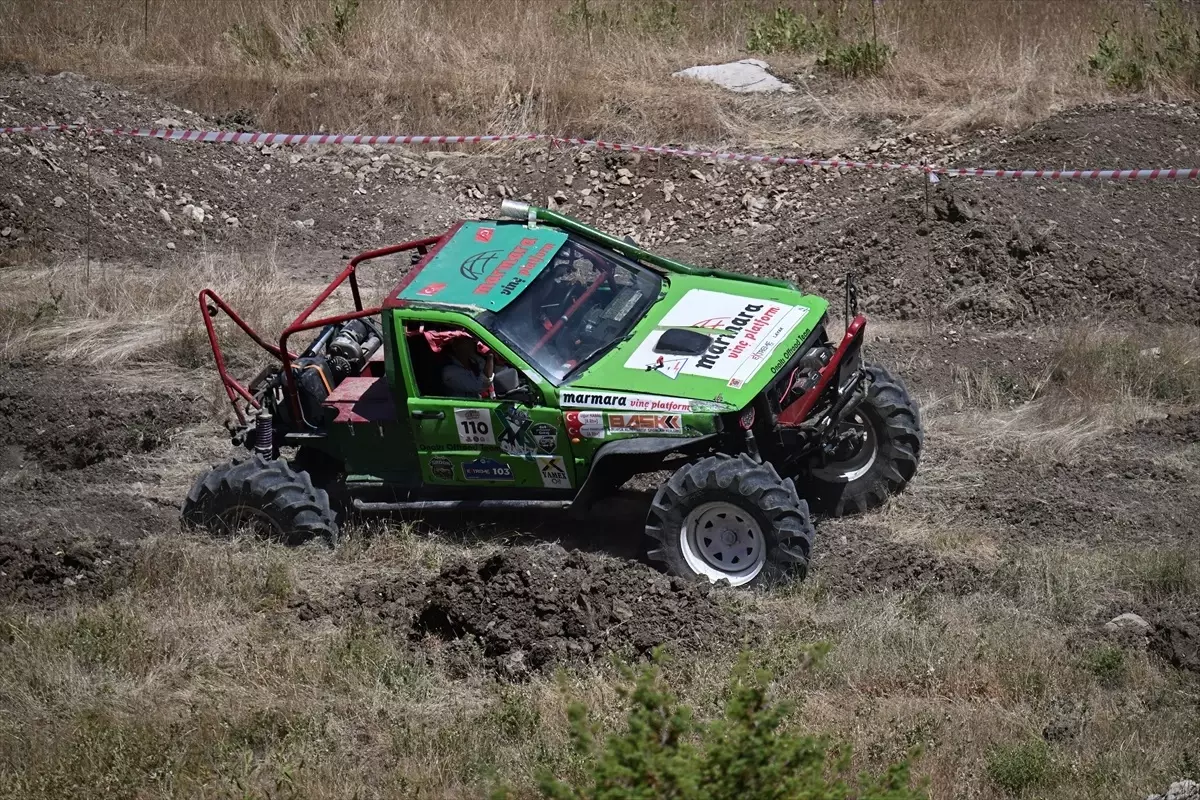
x=1018, y=767
x=746, y=754
x=1168, y=51
x=1107, y=663
x=856, y=59
x=851, y=56
x=786, y=31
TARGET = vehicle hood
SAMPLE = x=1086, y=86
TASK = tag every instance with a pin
x=753, y=328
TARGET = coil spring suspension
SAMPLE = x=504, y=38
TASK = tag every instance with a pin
x=264, y=434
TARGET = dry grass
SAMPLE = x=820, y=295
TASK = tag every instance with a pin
x=581, y=67
x=197, y=680
x=97, y=315
x=1099, y=382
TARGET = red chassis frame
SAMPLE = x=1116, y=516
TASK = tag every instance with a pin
x=797, y=412
x=211, y=302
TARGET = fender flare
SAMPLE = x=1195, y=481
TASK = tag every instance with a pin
x=642, y=454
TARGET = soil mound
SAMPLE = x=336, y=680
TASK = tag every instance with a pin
x=62, y=423
x=528, y=608
x=45, y=570
x=866, y=560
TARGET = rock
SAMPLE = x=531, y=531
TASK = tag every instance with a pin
x=753, y=203
x=167, y=122
x=954, y=209
x=155, y=161
x=698, y=175
x=164, y=215
x=1128, y=622
x=747, y=75
x=1179, y=790
x=6, y=233
x=59, y=202
x=233, y=222
x=170, y=245
x=305, y=224
x=194, y=213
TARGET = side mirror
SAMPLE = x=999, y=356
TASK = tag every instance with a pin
x=521, y=394
x=505, y=380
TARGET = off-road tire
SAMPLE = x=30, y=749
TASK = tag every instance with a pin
x=326, y=473
x=759, y=495
x=267, y=495
x=896, y=422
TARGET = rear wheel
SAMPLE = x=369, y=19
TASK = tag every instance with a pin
x=263, y=497
x=877, y=456
x=731, y=519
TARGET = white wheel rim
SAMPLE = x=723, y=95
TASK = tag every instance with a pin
x=722, y=540
x=855, y=467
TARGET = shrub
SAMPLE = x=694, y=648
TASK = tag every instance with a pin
x=853, y=56
x=747, y=753
x=856, y=59
x=1107, y=663
x=785, y=30
x=1018, y=767
x=1169, y=51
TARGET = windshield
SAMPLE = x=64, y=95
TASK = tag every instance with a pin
x=584, y=302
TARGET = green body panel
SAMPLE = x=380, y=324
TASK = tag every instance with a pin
x=491, y=444
x=547, y=447
x=483, y=443
x=755, y=330
x=484, y=265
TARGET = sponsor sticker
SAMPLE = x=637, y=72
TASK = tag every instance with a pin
x=441, y=468
x=625, y=402
x=670, y=424
x=474, y=426
x=431, y=289
x=474, y=266
x=484, y=234
x=516, y=430
x=744, y=331
x=584, y=424
x=554, y=472
x=545, y=436
x=486, y=469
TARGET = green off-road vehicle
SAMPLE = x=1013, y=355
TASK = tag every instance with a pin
x=534, y=361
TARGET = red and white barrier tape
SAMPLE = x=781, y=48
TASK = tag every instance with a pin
x=235, y=137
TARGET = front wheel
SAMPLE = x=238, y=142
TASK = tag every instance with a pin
x=265, y=497
x=730, y=519
x=877, y=453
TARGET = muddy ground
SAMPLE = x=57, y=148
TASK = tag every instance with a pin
x=967, y=276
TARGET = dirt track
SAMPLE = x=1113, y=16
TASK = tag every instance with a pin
x=975, y=275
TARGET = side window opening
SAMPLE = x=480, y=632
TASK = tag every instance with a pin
x=450, y=361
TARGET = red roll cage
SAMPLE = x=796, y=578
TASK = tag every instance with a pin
x=211, y=303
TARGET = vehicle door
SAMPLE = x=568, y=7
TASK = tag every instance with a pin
x=475, y=448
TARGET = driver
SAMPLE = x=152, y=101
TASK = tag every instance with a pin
x=467, y=374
